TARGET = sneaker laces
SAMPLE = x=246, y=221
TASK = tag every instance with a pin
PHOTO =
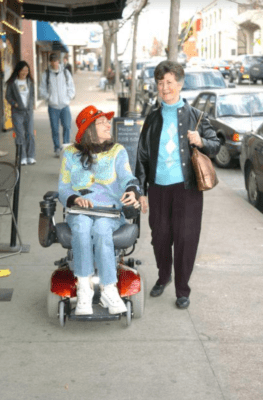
x=112, y=294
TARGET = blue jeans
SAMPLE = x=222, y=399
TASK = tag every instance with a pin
x=23, y=122
x=64, y=116
x=86, y=232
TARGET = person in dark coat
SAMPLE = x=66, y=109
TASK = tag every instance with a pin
x=67, y=65
x=20, y=95
x=166, y=175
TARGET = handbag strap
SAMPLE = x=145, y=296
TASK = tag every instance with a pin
x=199, y=120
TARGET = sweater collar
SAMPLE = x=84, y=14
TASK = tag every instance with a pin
x=172, y=107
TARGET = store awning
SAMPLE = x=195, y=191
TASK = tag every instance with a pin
x=45, y=33
x=73, y=10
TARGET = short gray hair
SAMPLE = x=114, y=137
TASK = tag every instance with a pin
x=171, y=67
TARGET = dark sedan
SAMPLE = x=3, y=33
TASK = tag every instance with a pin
x=251, y=162
x=233, y=114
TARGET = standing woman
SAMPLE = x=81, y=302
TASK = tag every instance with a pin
x=165, y=173
x=20, y=95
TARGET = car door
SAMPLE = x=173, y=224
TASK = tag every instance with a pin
x=256, y=156
x=200, y=102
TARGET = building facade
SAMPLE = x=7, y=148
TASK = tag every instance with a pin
x=218, y=37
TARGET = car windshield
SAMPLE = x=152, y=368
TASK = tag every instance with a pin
x=240, y=105
x=254, y=59
x=149, y=72
x=203, y=80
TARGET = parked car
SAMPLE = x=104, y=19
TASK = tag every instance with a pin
x=196, y=80
x=221, y=66
x=196, y=62
x=233, y=114
x=246, y=66
x=182, y=59
x=251, y=162
x=146, y=83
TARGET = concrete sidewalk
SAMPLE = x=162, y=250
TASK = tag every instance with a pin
x=212, y=351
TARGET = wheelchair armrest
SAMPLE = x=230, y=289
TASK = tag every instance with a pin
x=50, y=196
x=130, y=212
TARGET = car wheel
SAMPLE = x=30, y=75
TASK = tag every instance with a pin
x=223, y=158
x=238, y=80
x=231, y=79
x=255, y=197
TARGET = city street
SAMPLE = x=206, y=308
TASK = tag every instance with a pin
x=211, y=351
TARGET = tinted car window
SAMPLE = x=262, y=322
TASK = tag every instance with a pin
x=254, y=59
x=240, y=104
x=203, y=80
x=149, y=72
x=200, y=104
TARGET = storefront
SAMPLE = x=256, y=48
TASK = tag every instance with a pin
x=10, y=31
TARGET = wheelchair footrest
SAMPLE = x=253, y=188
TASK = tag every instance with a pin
x=99, y=314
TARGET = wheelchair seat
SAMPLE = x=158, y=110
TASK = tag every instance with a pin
x=123, y=237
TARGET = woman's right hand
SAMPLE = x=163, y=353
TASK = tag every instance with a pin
x=81, y=202
x=144, y=204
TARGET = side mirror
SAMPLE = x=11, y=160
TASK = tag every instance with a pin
x=231, y=85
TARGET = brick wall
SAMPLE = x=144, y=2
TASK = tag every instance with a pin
x=27, y=44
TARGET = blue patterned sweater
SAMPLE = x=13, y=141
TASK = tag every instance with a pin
x=169, y=169
x=107, y=179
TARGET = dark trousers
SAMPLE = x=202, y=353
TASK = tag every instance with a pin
x=175, y=215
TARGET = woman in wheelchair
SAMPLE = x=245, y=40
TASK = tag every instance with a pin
x=96, y=172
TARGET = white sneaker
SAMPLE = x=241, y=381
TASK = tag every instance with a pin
x=24, y=161
x=3, y=153
x=31, y=161
x=110, y=298
x=84, y=297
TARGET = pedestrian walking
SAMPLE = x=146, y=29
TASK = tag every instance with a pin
x=20, y=95
x=57, y=87
x=95, y=171
x=67, y=65
x=165, y=173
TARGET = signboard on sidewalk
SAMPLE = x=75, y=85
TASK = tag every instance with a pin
x=126, y=131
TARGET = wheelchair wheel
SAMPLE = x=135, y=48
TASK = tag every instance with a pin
x=127, y=317
x=139, y=299
x=52, y=304
x=128, y=314
x=62, y=313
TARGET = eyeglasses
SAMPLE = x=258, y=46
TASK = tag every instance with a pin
x=104, y=122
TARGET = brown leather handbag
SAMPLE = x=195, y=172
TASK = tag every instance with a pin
x=204, y=170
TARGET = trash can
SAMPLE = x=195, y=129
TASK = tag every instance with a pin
x=124, y=101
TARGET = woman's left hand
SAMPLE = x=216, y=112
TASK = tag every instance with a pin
x=129, y=199
x=195, y=138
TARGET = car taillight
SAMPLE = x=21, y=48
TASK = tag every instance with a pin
x=227, y=67
x=216, y=67
x=242, y=69
x=235, y=137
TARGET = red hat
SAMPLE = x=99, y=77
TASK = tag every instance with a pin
x=86, y=117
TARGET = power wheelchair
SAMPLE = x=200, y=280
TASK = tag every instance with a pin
x=61, y=298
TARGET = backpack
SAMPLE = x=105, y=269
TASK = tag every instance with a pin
x=48, y=76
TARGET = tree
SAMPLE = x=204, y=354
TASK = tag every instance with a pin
x=141, y=4
x=173, y=30
x=107, y=41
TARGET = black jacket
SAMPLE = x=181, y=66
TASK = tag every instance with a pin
x=148, y=146
x=13, y=97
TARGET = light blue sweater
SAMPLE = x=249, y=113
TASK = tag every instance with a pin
x=169, y=170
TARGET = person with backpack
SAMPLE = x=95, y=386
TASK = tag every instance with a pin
x=57, y=88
